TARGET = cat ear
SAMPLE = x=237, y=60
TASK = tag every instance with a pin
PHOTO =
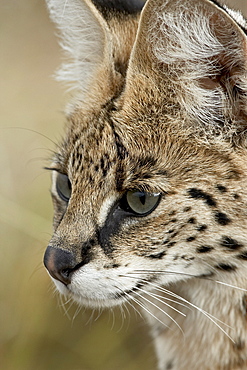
x=194, y=55
x=84, y=37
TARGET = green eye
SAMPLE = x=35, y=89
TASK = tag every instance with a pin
x=63, y=187
x=141, y=203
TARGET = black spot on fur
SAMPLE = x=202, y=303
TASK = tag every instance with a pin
x=171, y=231
x=199, y=194
x=190, y=238
x=171, y=244
x=187, y=209
x=113, y=265
x=230, y=243
x=173, y=220
x=242, y=256
x=204, y=249
x=222, y=218
x=225, y=267
x=192, y=220
x=201, y=228
x=221, y=188
x=172, y=213
x=236, y=196
x=157, y=255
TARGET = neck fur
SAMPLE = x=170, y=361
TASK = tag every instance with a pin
x=211, y=336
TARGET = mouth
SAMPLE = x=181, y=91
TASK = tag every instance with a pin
x=94, y=297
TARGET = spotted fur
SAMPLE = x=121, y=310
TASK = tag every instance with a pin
x=160, y=111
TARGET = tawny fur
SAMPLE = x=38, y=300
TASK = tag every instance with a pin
x=160, y=107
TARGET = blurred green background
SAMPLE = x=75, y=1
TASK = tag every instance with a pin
x=38, y=332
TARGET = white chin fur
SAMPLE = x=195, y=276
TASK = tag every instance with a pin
x=96, y=288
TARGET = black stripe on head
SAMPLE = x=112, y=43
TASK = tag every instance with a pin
x=200, y=194
x=108, y=8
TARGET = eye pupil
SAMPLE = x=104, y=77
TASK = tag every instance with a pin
x=142, y=199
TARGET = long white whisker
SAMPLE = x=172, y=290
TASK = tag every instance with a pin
x=91, y=317
x=99, y=314
x=171, y=300
x=206, y=314
x=113, y=318
x=63, y=304
x=160, y=309
x=190, y=275
x=78, y=310
x=162, y=300
x=145, y=309
x=229, y=285
x=211, y=317
x=125, y=316
x=159, y=296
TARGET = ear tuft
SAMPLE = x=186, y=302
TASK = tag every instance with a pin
x=83, y=34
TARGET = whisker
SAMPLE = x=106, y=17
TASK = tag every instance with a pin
x=112, y=314
x=100, y=310
x=156, y=296
x=208, y=315
x=123, y=316
x=145, y=309
x=159, y=296
x=78, y=310
x=160, y=309
x=186, y=301
x=89, y=321
x=230, y=285
x=171, y=300
x=188, y=274
x=212, y=318
x=134, y=308
x=63, y=304
x=125, y=307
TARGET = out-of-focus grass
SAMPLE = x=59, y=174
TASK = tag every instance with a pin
x=35, y=332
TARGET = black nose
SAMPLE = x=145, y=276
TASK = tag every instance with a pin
x=60, y=264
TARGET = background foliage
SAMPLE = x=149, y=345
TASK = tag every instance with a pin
x=37, y=331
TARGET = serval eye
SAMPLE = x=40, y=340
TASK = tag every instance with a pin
x=141, y=203
x=63, y=187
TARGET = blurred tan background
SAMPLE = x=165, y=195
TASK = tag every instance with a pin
x=36, y=331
